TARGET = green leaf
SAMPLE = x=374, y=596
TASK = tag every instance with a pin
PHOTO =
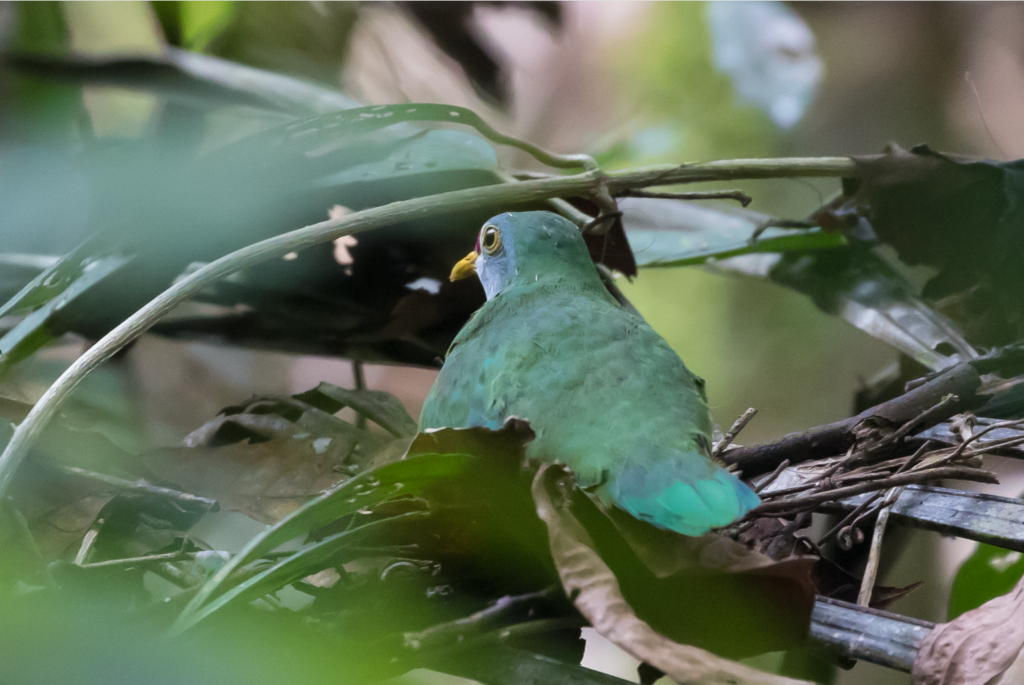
x=362, y=120
x=425, y=152
x=988, y=573
x=49, y=283
x=859, y=286
x=307, y=561
x=397, y=479
x=664, y=233
x=662, y=249
x=847, y=281
x=201, y=22
x=32, y=333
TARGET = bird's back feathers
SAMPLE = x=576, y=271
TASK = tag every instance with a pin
x=604, y=394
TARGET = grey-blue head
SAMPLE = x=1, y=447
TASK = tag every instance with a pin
x=526, y=247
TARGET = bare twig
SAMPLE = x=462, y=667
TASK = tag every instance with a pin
x=507, y=666
x=87, y=542
x=141, y=485
x=527, y=628
x=835, y=438
x=904, y=430
x=976, y=435
x=994, y=446
x=775, y=494
x=981, y=113
x=137, y=561
x=771, y=479
x=814, y=499
x=851, y=519
x=174, y=575
x=737, y=195
x=738, y=425
x=867, y=584
x=474, y=625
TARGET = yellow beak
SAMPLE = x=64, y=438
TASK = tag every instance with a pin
x=465, y=267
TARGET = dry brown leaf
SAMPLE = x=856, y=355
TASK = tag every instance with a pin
x=59, y=509
x=667, y=553
x=59, y=531
x=265, y=480
x=268, y=456
x=595, y=591
x=979, y=647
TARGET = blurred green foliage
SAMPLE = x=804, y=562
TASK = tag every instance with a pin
x=194, y=25
x=686, y=109
x=988, y=573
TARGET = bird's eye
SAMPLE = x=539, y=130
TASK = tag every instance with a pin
x=491, y=241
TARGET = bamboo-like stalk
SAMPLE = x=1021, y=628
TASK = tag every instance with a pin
x=589, y=183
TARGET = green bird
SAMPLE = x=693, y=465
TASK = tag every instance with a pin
x=603, y=392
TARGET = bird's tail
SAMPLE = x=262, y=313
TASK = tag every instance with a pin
x=688, y=494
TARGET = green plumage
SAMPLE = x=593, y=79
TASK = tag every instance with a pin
x=602, y=390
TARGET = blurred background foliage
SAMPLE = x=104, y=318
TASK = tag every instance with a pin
x=631, y=83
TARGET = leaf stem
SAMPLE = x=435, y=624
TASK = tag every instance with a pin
x=406, y=210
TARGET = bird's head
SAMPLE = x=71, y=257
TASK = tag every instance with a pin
x=525, y=247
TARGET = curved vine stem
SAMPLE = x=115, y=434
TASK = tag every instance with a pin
x=551, y=159
x=507, y=193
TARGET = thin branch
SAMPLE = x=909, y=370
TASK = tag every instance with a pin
x=835, y=438
x=474, y=625
x=816, y=498
x=771, y=479
x=396, y=212
x=474, y=642
x=940, y=409
x=848, y=530
x=854, y=516
x=141, y=485
x=737, y=195
x=87, y=542
x=867, y=584
x=738, y=425
x=871, y=635
x=137, y=561
x=981, y=113
x=1013, y=423
x=529, y=628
